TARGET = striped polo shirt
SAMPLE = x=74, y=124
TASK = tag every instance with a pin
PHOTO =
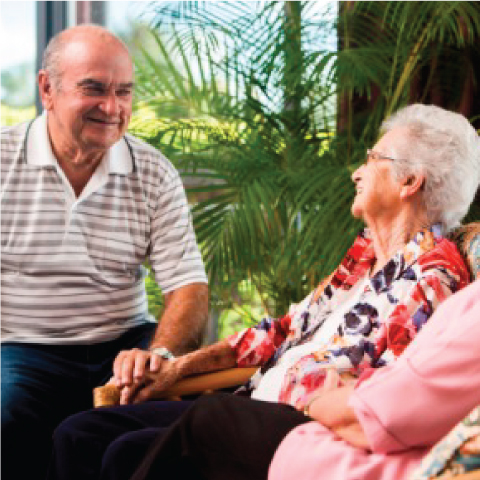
x=72, y=266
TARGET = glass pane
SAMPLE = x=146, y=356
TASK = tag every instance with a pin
x=127, y=20
x=18, y=50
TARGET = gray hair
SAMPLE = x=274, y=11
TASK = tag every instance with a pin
x=52, y=55
x=445, y=148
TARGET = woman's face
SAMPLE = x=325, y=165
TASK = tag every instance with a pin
x=377, y=193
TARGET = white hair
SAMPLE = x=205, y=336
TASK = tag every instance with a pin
x=445, y=148
x=51, y=60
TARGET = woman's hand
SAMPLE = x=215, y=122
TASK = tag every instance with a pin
x=333, y=380
x=332, y=410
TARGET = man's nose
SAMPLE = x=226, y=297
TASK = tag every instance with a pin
x=109, y=104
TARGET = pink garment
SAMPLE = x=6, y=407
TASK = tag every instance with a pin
x=404, y=408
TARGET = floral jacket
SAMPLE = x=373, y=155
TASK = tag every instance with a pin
x=390, y=311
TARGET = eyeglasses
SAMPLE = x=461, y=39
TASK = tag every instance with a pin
x=376, y=156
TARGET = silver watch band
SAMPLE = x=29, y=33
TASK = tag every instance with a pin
x=163, y=352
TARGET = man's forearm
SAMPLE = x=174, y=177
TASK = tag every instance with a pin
x=218, y=356
x=184, y=318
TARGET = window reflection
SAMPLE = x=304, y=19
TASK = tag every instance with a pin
x=17, y=47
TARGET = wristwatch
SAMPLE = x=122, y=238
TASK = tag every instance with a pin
x=306, y=408
x=163, y=352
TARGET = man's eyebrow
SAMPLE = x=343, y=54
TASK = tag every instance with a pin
x=90, y=82
x=127, y=85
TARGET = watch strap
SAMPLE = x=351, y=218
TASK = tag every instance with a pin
x=163, y=352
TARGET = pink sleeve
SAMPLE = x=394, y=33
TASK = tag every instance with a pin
x=433, y=385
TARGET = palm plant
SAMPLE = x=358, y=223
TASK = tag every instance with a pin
x=246, y=97
x=402, y=52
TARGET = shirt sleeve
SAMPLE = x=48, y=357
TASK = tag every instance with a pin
x=255, y=345
x=174, y=254
x=416, y=400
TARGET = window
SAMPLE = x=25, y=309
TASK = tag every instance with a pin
x=18, y=54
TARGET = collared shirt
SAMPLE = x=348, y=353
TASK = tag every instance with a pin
x=388, y=313
x=72, y=266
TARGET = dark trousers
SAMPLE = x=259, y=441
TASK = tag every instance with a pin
x=109, y=443
x=42, y=385
x=220, y=437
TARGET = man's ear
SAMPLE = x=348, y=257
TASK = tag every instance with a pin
x=45, y=89
x=411, y=185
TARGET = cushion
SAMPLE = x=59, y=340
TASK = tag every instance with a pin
x=467, y=238
x=458, y=452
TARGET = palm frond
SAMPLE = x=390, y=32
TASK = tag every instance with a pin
x=245, y=99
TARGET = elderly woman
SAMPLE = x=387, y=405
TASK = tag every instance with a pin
x=417, y=183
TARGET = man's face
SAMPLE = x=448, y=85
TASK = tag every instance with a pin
x=90, y=106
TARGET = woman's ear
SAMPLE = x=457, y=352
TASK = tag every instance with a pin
x=411, y=185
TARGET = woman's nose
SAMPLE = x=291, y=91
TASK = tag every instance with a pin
x=356, y=174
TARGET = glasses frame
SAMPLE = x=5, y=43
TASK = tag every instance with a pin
x=376, y=156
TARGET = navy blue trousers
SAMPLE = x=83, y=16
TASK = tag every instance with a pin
x=109, y=443
x=42, y=385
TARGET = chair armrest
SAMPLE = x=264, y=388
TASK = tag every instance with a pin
x=109, y=395
x=208, y=382
x=473, y=475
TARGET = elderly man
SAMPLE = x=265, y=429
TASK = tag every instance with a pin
x=83, y=206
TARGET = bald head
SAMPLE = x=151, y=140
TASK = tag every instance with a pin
x=88, y=34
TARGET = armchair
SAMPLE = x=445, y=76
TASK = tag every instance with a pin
x=455, y=460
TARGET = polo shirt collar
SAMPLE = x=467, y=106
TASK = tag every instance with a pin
x=118, y=159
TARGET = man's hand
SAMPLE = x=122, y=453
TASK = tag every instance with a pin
x=139, y=374
x=130, y=366
x=155, y=383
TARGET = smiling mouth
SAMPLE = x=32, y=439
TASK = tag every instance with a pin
x=104, y=122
